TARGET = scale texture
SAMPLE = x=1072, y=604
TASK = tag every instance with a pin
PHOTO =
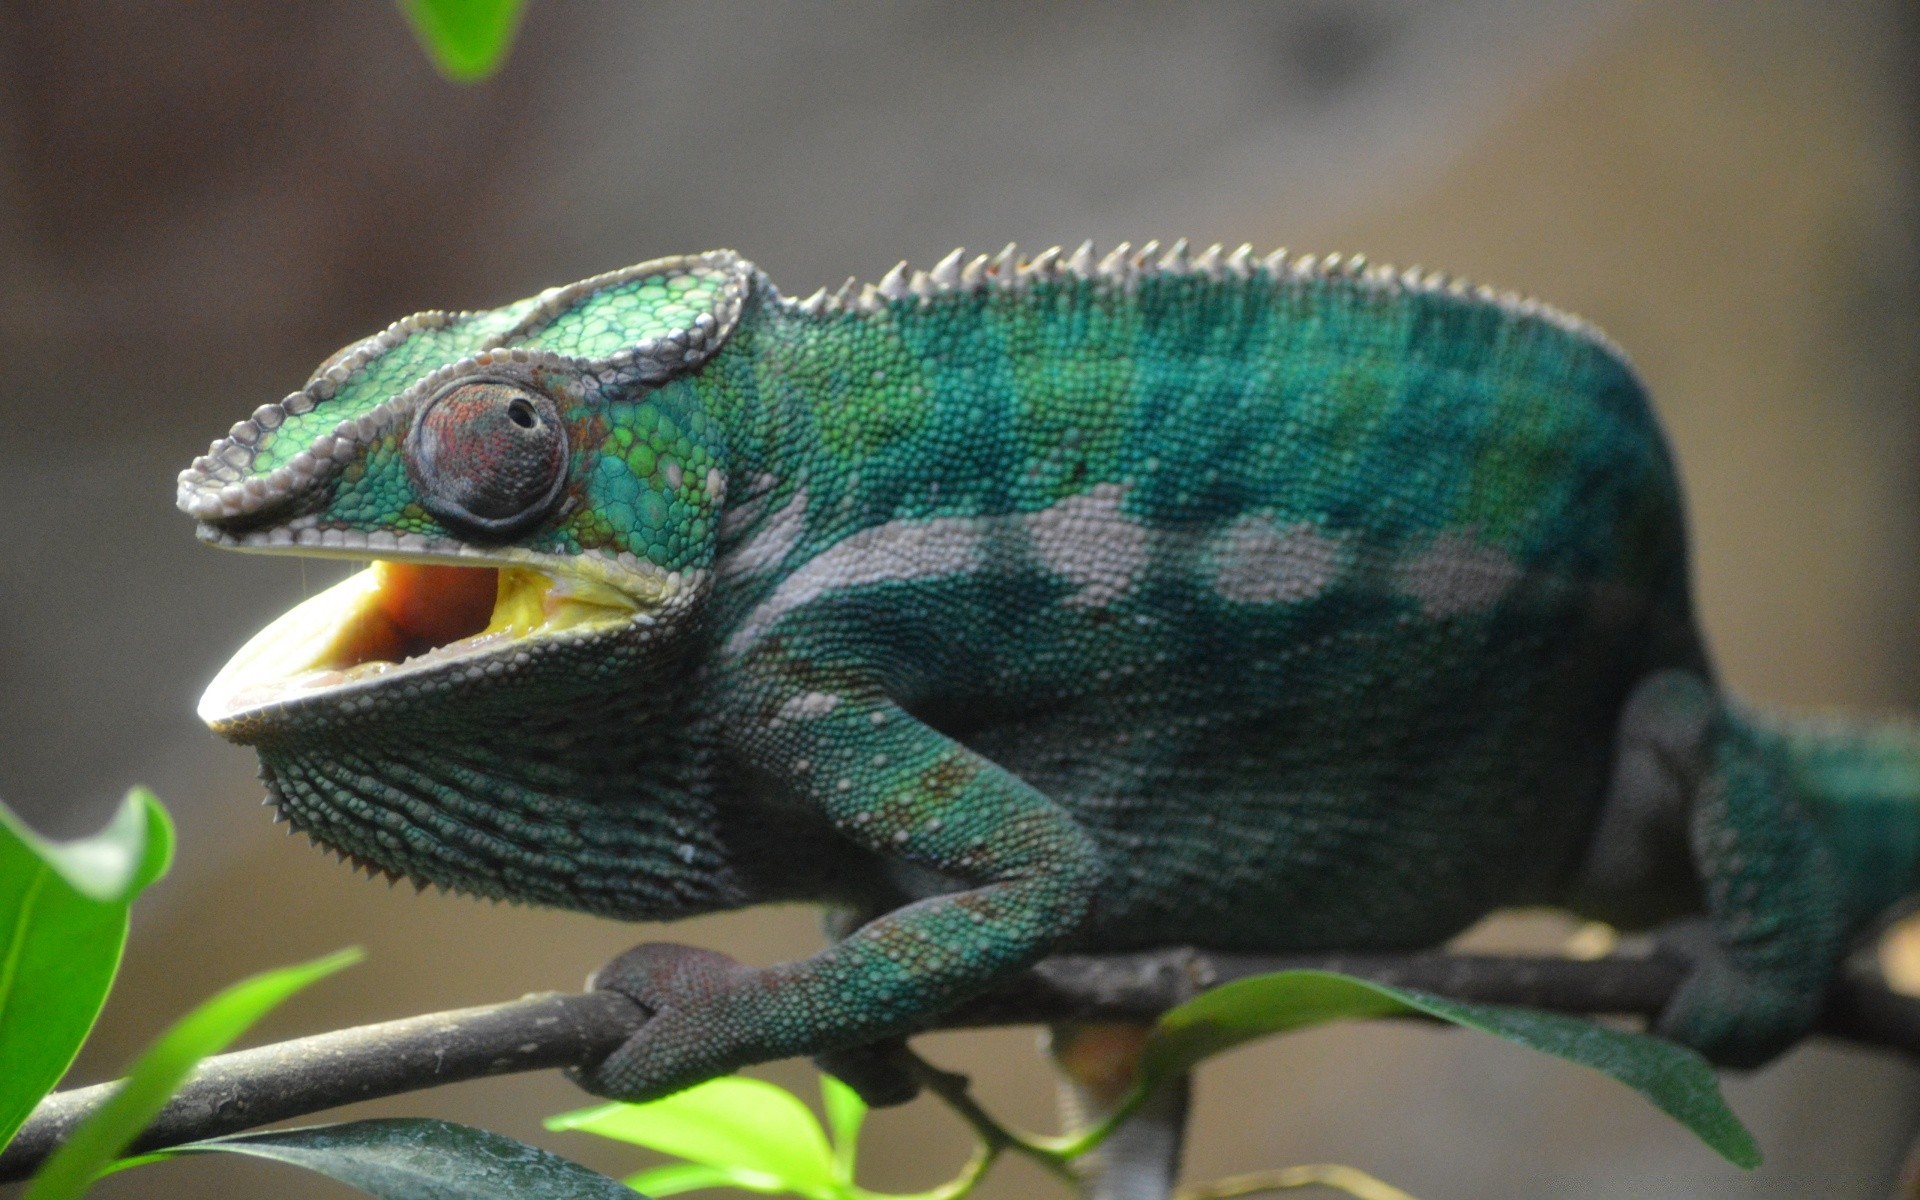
x=1066, y=604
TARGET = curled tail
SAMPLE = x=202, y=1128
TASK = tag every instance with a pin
x=1801, y=832
x=1860, y=779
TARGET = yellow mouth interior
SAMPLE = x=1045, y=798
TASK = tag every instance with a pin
x=396, y=615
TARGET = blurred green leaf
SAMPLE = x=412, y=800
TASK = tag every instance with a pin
x=467, y=40
x=675, y=1178
x=1675, y=1079
x=760, y=1134
x=416, y=1158
x=63, y=925
x=846, y=1111
x=159, y=1072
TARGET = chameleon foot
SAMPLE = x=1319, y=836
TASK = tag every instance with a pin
x=691, y=1033
x=1735, y=1016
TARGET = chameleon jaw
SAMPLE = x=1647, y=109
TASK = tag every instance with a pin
x=399, y=618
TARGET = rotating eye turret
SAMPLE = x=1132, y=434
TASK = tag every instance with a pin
x=488, y=457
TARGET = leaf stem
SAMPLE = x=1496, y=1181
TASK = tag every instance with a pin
x=952, y=1089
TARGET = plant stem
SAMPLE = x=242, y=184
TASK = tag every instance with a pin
x=951, y=1088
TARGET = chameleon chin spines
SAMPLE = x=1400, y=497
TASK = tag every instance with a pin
x=1085, y=601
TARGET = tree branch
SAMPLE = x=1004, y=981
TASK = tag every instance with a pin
x=249, y=1088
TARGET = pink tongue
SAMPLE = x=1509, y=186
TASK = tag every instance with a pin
x=429, y=606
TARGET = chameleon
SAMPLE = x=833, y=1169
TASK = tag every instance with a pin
x=1021, y=605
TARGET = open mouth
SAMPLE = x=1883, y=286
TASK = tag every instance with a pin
x=400, y=617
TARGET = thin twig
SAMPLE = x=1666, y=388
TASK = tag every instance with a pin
x=249, y=1088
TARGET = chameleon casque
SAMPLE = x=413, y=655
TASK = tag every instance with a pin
x=1015, y=606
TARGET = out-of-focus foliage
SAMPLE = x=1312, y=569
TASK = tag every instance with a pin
x=63, y=924
x=417, y=1158
x=467, y=39
x=737, y=1132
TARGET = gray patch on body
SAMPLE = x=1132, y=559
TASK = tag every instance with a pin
x=1089, y=542
x=771, y=543
x=1455, y=575
x=748, y=510
x=895, y=552
x=808, y=705
x=1256, y=562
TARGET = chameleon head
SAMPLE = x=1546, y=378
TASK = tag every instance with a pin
x=537, y=489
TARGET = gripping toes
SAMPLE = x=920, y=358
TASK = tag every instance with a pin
x=692, y=1032
x=1738, y=1018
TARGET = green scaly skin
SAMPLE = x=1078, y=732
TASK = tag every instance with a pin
x=1281, y=605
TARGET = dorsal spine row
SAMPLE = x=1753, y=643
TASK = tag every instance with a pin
x=1124, y=267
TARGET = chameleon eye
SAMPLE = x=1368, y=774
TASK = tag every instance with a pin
x=488, y=457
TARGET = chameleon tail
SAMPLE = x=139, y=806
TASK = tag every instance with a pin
x=1861, y=781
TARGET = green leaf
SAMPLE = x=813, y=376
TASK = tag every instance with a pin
x=467, y=40
x=158, y=1073
x=63, y=925
x=675, y=1178
x=846, y=1111
x=416, y=1158
x=114, y=865
x=1675, y=1079
x=753, y=1129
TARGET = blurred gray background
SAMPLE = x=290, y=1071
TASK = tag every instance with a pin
x=199, y=202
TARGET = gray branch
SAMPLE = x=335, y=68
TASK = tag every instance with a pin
x=249, y=1088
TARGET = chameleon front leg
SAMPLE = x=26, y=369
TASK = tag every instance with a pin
x=890, y=784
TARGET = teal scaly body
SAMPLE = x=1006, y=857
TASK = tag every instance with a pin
x=1012, y=607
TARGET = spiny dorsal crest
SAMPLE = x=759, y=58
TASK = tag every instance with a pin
x=642, y=323
x=1125, y=268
